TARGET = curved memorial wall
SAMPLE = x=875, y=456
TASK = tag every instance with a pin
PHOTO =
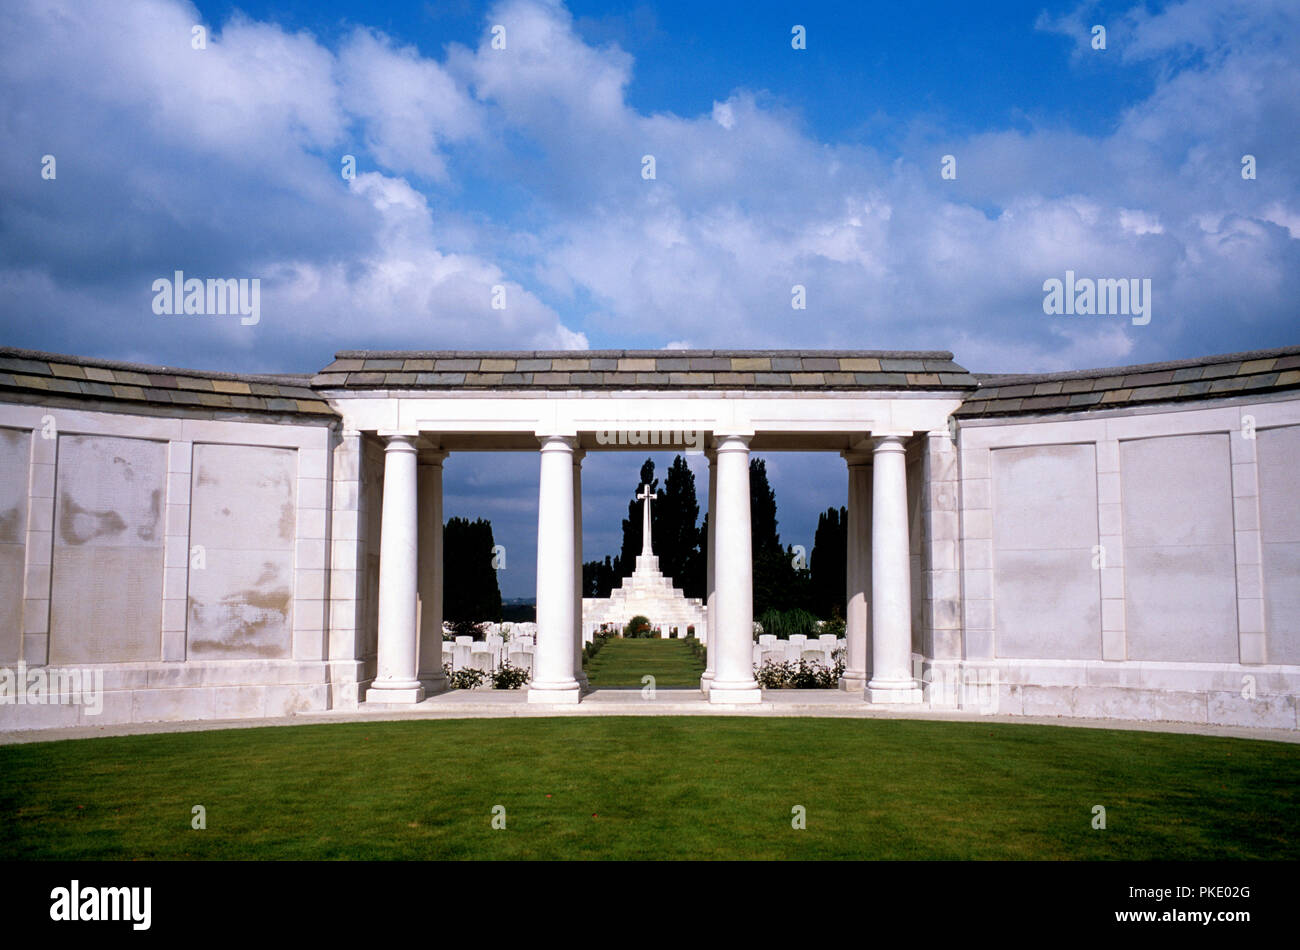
x=1119, y=543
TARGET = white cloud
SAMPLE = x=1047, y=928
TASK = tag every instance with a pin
x=227, y=159
x=410, y=105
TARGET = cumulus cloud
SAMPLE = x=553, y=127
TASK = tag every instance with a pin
x=523, y=169
x=226, y=161
x=409, y=106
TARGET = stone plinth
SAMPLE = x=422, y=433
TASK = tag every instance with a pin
x=650, y=594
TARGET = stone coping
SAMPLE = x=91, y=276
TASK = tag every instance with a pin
x=53, y=375
x=1209, y=377
x=800, y=370
x=61, y=378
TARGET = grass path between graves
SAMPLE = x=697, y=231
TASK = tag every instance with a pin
x=652, y=788
x=623, y=662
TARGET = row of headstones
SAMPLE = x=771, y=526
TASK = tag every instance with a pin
x=770, y=649
x=507, y=630
x=486, y=654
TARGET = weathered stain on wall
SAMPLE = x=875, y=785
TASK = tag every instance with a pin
x=15, y=457
x=77, y=525
x=106, y=591
x=243, y=515
x=251, y=621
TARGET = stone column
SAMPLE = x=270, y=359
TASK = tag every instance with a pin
x=579, y=673
x=857, y=620
x=733, y=633
x=891, y=578
x=432, y=676
x=395, y=681
x=553, y=674
x=710, y=584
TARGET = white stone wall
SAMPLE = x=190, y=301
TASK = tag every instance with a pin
x=1136, y=563
x=940, y=578
x=183, y=560
x=1046, y=590
x=1276, y=519
x=1141, y=563
x=106, y=592
x=15, y=464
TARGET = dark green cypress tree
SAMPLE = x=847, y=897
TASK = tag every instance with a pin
x=677, y=536
x=828, y=562
x=599, y=577
x=470, y=588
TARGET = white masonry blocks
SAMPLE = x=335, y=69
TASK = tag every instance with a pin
x=1140, y=562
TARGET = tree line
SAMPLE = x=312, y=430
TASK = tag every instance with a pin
x=783, y=578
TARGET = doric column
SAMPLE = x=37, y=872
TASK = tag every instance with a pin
x=857, y=621
x=432, y=676
x=579, y=673
x=396, y=681
x=891, y=578
x=733, y=678
x=710, y=583
x=553, y=674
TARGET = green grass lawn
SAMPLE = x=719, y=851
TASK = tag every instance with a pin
x=652, y=787
x=623, y=662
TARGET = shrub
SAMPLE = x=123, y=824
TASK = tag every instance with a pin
x=591, y=649
x=833, y=627
x=638, y=627
x=696, y=646
x=773, y=675
x=508, y=676
x=467, y=628
x=800, y=675
x=463, y=679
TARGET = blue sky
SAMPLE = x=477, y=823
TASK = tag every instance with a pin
x=521, y=167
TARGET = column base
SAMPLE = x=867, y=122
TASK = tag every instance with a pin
x=706, y=681
x=854, y=682
x=555, y=694
x=896, y=692
x=734, y=694
x=584, y=684
x=408, y=695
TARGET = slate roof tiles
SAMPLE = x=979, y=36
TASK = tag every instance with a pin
x=1256, y=371
x=69, y=377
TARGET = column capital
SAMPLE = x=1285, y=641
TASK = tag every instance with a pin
x=856, y=457
x=558, y=443
x=435, y=458
x=732, y=442
x=888, y=443
x=398, y=442
x=579, y=455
